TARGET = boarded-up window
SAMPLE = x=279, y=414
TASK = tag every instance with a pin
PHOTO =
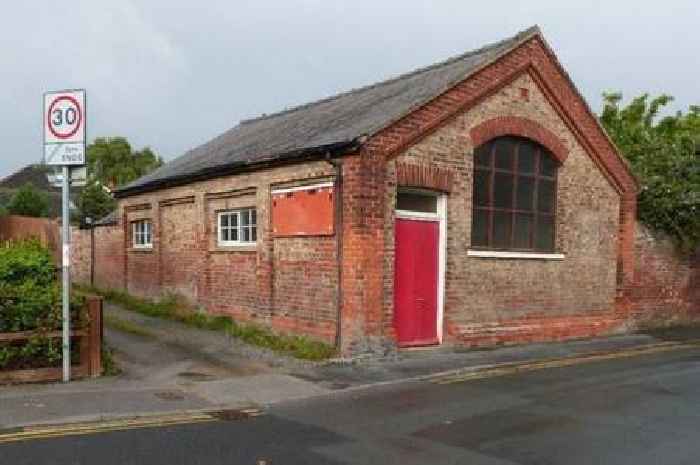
x=303, y=210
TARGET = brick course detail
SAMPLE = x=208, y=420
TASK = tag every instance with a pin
x=517, y=126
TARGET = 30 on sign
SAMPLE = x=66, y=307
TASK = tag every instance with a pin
x=64, y=117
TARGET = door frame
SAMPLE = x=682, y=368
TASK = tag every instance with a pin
x=441, y=217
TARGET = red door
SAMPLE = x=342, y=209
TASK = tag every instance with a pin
x=416, y=282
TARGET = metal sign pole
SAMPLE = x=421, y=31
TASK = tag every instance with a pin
x=66, y=273
x=64, y=146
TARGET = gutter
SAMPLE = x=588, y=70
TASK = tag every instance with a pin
x=245, y=166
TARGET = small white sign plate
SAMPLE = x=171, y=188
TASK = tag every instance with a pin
x=78, y=176
x=64, y=127
x=64, y=154
x=66, y=255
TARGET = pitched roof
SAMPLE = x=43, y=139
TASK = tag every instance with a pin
x=334, y=124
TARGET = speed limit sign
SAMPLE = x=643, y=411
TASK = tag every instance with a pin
x=64, y=127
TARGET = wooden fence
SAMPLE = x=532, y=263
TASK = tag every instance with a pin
x=45, y=230
x=89, y=339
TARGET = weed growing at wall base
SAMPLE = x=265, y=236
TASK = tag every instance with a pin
x=175, y=308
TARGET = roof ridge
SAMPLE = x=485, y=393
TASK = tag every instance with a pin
x=526, y=33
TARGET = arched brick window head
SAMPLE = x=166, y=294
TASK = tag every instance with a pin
x=514, y=197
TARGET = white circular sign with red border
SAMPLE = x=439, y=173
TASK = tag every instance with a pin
x=64, y=127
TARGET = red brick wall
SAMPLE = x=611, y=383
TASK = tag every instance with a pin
x=666, y=281
x=363, y=251
x=81, y=261
x=493, y=300
x=179, y=253
x=108, y=265
x=290, y=284
x=109, y=257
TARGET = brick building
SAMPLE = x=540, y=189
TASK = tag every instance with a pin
x=475, y=201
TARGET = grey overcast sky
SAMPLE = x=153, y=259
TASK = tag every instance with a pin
x=170, y=74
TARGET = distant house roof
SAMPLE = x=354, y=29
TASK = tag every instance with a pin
x=332, y=125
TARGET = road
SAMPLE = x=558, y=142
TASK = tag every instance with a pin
x=641, y=410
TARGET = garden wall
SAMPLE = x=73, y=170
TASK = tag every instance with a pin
x=666, y=285
x=106, y=269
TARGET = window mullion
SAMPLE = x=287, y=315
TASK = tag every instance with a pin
x=535, y=201
x=492, y=182
x=514, y=195
x=239, y=232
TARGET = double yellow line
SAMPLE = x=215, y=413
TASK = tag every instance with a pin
x=93, y=427
x=505, y=369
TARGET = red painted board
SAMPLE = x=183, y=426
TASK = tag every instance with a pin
x=303, y=212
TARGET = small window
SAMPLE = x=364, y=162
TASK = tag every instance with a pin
x=416, y=202
x=141, y=234
x=238, y=227
x=514, y=196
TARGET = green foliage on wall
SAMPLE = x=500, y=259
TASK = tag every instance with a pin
x=664, y=153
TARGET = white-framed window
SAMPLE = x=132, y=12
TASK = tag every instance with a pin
x=237, y=227
x=141, y=234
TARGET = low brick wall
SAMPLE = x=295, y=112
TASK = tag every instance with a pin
x=666, y=285
x=103, y=264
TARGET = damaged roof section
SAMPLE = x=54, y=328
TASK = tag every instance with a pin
x=333, y=125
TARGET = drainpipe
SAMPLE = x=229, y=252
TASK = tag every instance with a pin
x=338, y=165
x=92, y=255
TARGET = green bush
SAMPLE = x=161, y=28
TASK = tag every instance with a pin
x=26, y=261
x=28, y=201
x=30, y=300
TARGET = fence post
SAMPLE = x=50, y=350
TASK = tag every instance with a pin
x=94, y=336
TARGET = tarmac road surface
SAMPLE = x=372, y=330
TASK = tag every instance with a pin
x=637, y=410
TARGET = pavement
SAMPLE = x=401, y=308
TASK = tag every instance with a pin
x=640, y=410
x=170, y=368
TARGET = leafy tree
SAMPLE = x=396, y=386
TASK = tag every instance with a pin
x=664, y=153
x=112, y=162
x=29, y=201
x=95, y=201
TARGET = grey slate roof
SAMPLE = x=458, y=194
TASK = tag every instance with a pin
x=333, y=124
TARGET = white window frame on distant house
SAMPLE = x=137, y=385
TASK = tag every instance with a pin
x=142, y=234
x=231, y=230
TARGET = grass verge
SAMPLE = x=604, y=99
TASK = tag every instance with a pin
x=126, y=326
x=175, y=308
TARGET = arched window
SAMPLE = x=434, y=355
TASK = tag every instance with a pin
x=514, y=201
